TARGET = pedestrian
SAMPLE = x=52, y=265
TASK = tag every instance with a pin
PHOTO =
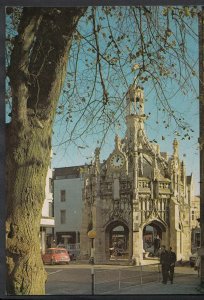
x=172, y=261
x=164, y=261
x=156, y=245
x=159, y=252
x=53, y=244
x=197, y=265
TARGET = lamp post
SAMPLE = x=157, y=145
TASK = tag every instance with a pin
x=92, y=235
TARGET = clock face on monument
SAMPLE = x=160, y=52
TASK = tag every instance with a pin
x=117, y=161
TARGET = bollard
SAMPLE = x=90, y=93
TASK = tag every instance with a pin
x=140, y=273
x=92, y=281
x=119, y=276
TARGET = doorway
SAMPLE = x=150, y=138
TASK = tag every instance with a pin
x=153, y=238
x=117, y=240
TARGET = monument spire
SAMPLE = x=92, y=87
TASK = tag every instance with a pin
x=135, y=100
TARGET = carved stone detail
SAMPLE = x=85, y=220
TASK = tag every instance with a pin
x=151, y=186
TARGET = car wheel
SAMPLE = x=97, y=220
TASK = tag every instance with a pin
x=67, y=262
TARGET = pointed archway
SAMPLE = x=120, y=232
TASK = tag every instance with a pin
x=154, y=236
x=117, y=240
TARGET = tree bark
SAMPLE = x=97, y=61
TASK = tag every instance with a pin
x=37, y=71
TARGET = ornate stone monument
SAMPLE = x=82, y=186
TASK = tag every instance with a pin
x=137, y=186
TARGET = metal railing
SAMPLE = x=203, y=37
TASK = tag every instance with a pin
x=104, y=281
x=73, y=246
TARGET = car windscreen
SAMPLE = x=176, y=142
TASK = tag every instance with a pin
x=60, y=251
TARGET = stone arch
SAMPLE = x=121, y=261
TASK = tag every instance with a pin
x=154, y=235
x=158, y=223
x=117, y=239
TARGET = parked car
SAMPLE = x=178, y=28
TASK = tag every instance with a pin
x=56, y=256
x=71, y=254
x=193, y=258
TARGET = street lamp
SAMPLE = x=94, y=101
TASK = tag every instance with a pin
x=92, y=235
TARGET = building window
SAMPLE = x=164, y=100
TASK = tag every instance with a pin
x=192, y=215
x=63, y=216
x=50, y=185
x=63, y=195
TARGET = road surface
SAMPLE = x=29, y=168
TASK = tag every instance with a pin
x=76, y=279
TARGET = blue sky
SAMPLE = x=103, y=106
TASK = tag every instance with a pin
x=188, y=149
x=159, y=126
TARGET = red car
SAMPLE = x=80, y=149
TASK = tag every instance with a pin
x=55, y=256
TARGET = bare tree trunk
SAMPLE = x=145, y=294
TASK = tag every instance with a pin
x=28, y=153
x=37, y=71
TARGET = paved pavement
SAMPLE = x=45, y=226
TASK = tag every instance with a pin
x=183, y=284
x=76, y=277
x=186, y=281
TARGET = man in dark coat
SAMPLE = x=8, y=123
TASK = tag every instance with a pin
x=172, y=261
x=156, y=245
x=164, y=261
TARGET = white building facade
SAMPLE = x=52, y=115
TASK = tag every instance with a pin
x=47, y=222
x=68, y=185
